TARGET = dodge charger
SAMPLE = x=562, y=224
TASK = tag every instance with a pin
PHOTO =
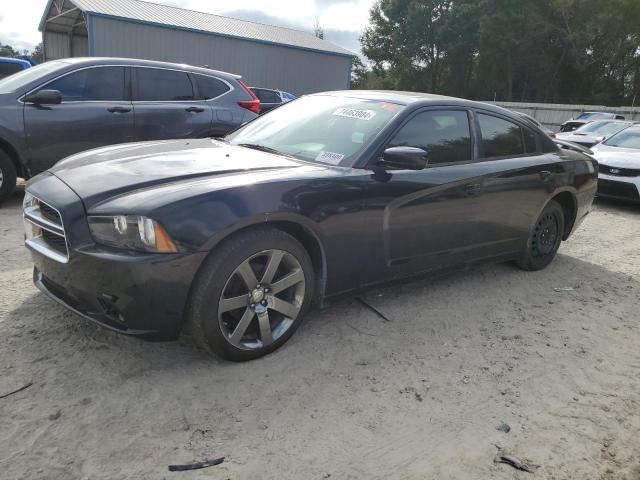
x=327, y=195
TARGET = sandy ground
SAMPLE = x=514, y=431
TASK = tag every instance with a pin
x=554, y=354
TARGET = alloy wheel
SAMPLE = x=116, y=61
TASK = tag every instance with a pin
x=261, y=299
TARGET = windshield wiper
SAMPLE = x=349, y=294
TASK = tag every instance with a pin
x=263, y=148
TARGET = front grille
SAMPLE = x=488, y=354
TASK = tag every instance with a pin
x=609, y=188
x=55, y=241
x=50, y=213
x=620, y=172
x=45, y=230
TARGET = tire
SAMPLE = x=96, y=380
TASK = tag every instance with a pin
x=8, y=176
x=228, y=317
x=545, y=238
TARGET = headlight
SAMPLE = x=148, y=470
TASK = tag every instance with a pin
x=29, y=201
x=131, y=232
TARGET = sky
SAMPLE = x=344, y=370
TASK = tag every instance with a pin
x=342, y=20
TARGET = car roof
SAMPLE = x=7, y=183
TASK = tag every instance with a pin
x=79, y=61
x=20, y=61
x=417, y=99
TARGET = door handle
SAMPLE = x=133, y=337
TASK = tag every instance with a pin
x=545, y=174
x=473, y=188
x=194, y=109
x=118, y=109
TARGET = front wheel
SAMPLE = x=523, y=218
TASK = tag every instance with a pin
x=544, y=240
x=251, y=294
x=8, y=176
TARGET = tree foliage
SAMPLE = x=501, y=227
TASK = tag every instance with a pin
x=563, y=51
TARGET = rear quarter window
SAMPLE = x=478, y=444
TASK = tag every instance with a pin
x=210, y=87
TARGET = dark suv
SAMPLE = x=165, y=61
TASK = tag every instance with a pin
x=62, y=107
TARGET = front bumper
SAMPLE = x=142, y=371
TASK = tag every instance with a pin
x=143, y=296
x=128, y=292
x=619, y=188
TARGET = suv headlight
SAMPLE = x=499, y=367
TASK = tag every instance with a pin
x=131, y=232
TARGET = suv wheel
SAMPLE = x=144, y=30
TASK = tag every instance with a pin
x=8, y=176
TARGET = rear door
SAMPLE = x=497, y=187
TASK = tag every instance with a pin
x=165, y=105
x=517, y=178
x=215, y=92
x=95, y=111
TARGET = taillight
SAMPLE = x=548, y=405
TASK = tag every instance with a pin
x=253, y=104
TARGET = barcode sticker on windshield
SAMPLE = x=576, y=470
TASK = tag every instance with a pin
x=329, y=157
x=354, y=113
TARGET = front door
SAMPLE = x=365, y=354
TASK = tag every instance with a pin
x=165, y=105
x=428, y=218
x=94, y=112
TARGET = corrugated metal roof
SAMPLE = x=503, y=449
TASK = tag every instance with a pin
x=149, y=12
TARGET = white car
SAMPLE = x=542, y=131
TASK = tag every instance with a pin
x=619, y=162
x=595, y=132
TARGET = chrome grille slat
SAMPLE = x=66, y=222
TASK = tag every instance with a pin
x=45, y=230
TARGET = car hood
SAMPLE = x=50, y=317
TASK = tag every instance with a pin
x=616, y=156
x=104, y=173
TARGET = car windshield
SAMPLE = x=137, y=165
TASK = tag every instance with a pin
x=20, y=79
x=629, y=138
x=602, y=128
x=319, y=128
x=592, y=115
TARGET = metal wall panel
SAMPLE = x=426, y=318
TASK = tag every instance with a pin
x=290, y=69
x=56, y=45
x=553, y=115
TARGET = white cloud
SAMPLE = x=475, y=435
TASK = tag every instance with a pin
x=19, y=20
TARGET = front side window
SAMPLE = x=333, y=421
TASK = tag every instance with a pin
x=500, y=138
x=319, y=128
x=444, y=135
x=91, y=84
x=158, y=85
x=209, y=87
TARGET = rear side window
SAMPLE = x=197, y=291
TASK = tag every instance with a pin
x=209, y=87
x=157, y=85
x=9, y=68
x=445, y=136
x=97, y=84
x=500, y=138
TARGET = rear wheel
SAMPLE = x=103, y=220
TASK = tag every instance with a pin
x=545, y=238
x=8, y=176
x=251, y=294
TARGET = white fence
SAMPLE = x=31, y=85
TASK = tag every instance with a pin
x=552, y=115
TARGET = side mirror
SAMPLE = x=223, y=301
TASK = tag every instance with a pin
x=404, y=158
x=44, y=97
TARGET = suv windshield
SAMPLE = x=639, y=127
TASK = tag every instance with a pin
x=603, y=127
x=318, y=128
x=629, y=138
x=20, y=79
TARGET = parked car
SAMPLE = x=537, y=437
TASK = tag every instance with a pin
x=619, y=165
x=594, y=132
x=586, y=117
x=326, y=195
x=9, y=66
x=546, y=130
x=62, y=107
x=270, y=99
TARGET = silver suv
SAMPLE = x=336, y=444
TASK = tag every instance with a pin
x=63, y=107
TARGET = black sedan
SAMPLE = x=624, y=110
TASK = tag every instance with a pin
x=324, y=196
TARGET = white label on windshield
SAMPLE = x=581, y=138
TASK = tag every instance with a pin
x=354, y=113
x=329, y=157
